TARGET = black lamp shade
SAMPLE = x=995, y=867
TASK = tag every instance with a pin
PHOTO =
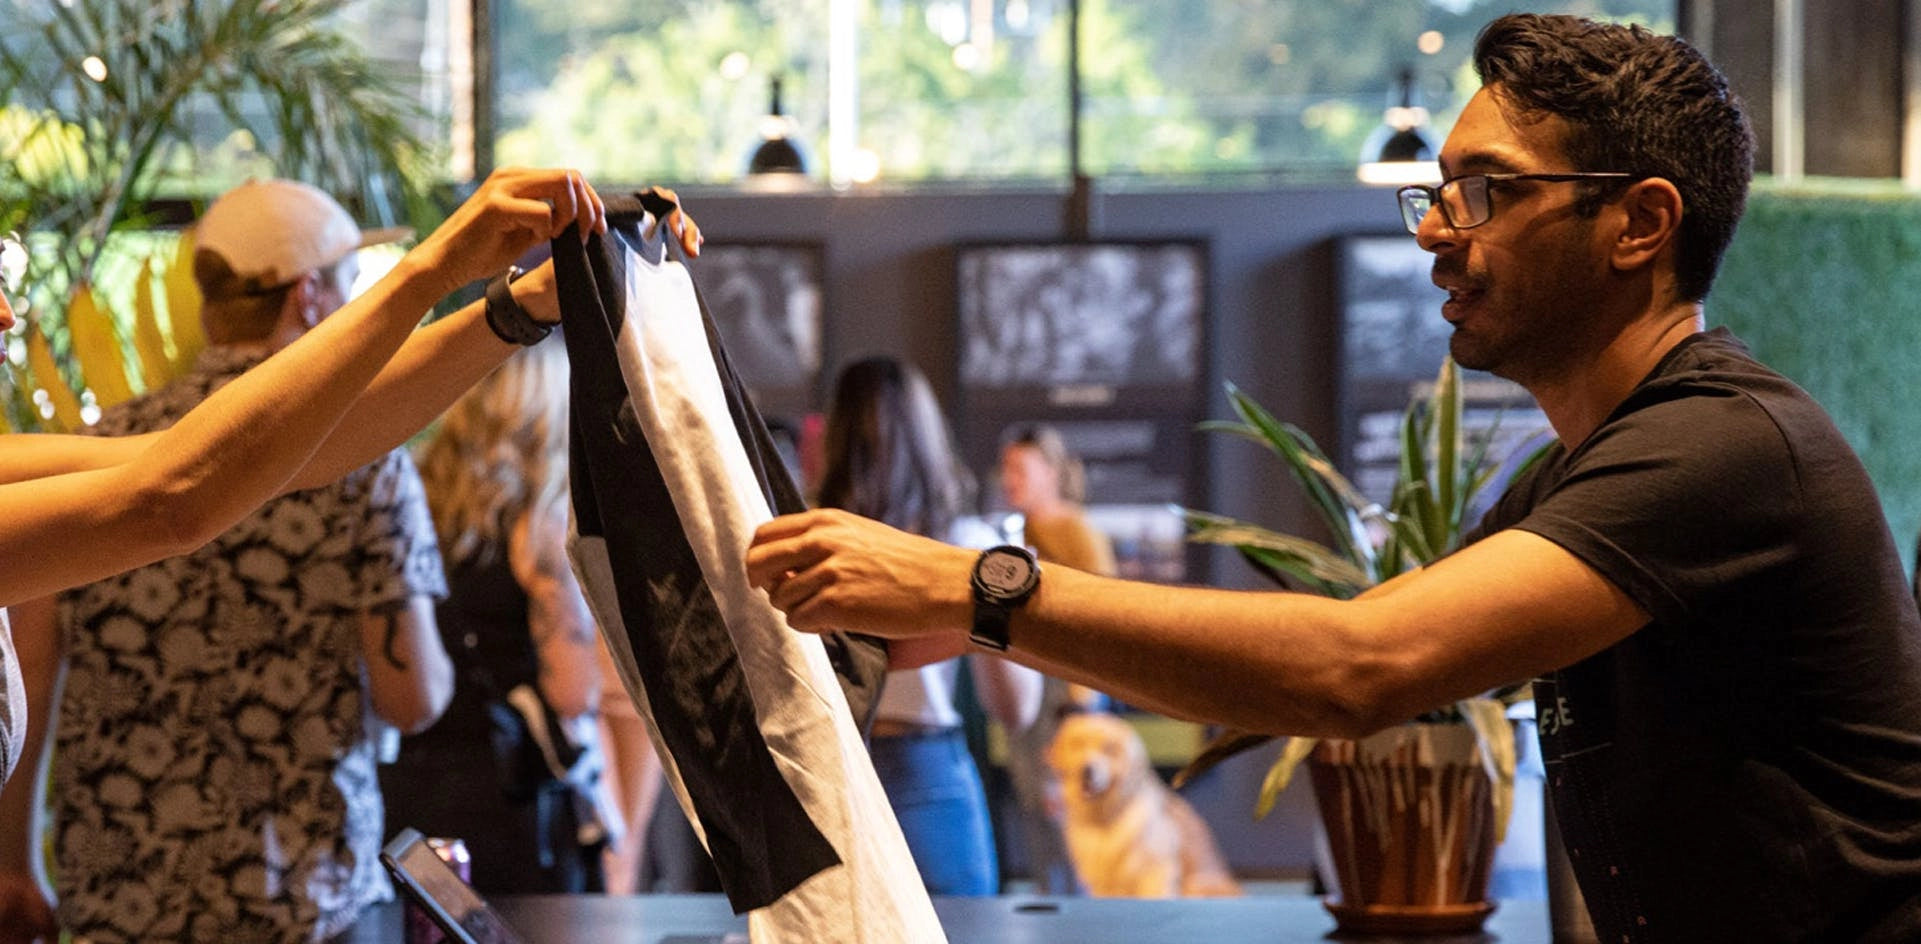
x=1403, y=144
x=776, y=156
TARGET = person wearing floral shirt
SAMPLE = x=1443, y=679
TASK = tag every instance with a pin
x=215, y=745
x=214, y=769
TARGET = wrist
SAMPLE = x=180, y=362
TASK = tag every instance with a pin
x=1004, y=578
x=510, y=321
x=536, y=294
x=416, y=273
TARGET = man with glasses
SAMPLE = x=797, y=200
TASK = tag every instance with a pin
x=1698, y=575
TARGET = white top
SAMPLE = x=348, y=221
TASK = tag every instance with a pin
x=925, y=696
x=13, y=702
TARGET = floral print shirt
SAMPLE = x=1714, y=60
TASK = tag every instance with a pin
x=214, y=771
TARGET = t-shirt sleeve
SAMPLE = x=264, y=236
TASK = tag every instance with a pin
x=398, y=555
x=1679, y=505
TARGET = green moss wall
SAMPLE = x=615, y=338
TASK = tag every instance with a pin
x=1824, y=282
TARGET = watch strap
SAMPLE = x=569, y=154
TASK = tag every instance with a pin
x=510, y=322
x=990, y=625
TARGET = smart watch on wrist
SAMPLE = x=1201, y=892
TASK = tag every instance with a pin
x=1004, y=578
x=512, y=323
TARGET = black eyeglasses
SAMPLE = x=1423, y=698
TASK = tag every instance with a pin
x=1467, y=201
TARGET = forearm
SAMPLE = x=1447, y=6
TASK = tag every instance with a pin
x=245, y=442
x=1282, y=663
x=437, y=364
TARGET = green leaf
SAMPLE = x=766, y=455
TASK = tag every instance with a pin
x=1494, y=742
x=1448, y=491
x=1228, y=743
x=1279, y=775
x=1294, y=555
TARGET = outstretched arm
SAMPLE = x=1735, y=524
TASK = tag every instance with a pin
x=246, y=442
x=435, y=365
x=1511, y=606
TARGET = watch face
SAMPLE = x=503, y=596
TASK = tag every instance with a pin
x=1004, y=573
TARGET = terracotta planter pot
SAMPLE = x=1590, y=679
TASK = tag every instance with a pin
x=1409, y=816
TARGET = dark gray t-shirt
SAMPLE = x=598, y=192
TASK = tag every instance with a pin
x=1748, y=765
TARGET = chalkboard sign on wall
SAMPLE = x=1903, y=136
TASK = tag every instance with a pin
x=766, y=302
x=1106, y=342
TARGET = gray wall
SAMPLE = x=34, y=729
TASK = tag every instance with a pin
x=889, y=262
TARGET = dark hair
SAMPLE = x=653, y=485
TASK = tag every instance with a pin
x=1636, y=102
x=889, y=456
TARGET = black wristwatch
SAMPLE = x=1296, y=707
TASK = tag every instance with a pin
x=1004, y=578
x=512, y=323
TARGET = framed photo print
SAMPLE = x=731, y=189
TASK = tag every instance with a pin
x=766, y=299
x=1106, y=342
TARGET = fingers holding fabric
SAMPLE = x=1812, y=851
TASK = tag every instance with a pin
x=828, y=569
x=681, y=223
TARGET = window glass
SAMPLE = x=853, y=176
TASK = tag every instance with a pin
x=1284, y=86
x=956, y=89
x=655, y=91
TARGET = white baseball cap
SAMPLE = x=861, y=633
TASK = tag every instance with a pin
x=272, y=232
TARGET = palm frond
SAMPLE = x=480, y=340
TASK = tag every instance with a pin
x=81, y=153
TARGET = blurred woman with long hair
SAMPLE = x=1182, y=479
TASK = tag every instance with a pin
x=516, y=626
x=889, y=457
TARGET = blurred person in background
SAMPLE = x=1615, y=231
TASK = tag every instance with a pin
x=889, y=457
x=513, y=766
x=1045, y=484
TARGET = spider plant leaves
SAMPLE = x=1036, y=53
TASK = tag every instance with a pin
x=1298, y=557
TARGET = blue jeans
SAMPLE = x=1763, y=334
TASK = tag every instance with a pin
x=936, y=793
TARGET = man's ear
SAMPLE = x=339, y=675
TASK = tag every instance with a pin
x=1651, y=221
x=304, y=300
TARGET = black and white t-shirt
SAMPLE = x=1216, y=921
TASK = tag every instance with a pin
x=1746, y=767
x=214, y=770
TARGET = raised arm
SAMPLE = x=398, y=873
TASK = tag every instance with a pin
x=246, y=443
x=563, y=630
x=437, y=364
x=1511, y=606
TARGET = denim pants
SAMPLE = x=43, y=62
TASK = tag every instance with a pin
x=936, y=793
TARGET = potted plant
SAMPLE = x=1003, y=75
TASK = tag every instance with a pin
x=1412, y=813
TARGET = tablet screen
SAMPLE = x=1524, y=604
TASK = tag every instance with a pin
x=429, y=881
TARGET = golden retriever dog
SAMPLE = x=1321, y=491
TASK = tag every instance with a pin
x=1129, y=836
